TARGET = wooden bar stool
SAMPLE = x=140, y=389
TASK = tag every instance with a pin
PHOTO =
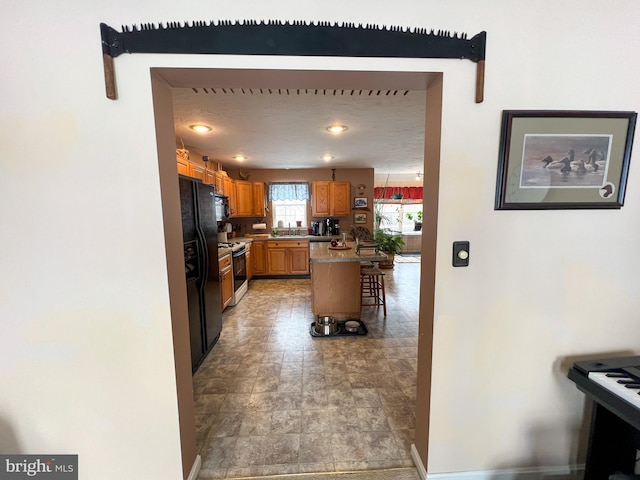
x=372, y=292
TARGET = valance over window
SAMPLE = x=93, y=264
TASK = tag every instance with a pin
x=289, y=191
x=408, y=193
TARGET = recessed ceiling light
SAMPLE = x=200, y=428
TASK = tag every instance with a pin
x=240, y=158
x=200, y=128
x=337, y=129
x=327, y=157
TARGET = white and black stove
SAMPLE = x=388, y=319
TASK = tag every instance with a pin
x=234, y=246
x=239, y=267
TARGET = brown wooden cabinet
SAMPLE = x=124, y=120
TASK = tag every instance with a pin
x=230, y=192
x=226, y=280
x=197, y=171
x=209, y=176
x=330, y=199
x=258, y=257
x=248, y=263
x=219, y=183
x=183, y=166
x=258, y=209
x=299, y=258
x=244, y=198
x=249, y=199
x=277, y=260
x=287, y=257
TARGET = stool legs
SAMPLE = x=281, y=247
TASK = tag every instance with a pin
x=372, y=286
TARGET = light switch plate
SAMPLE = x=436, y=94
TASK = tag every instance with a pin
x=460, y=254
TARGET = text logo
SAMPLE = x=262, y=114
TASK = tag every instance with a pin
x=49, y=467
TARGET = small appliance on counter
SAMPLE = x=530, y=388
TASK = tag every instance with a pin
x=332, y=227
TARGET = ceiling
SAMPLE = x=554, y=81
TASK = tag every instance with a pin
x=284, y=127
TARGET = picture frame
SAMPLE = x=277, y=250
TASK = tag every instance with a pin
x=360, y=218
x=360, y=202
x=563, y=159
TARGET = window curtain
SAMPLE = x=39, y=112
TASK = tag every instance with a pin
x=408, y=193
x=289, y=191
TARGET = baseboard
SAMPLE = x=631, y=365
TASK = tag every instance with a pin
x=422, y=472
x=532, y=473
x=195, y=469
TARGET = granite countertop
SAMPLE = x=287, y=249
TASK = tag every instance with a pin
x=222, y=251
x=320, y=252
x=311, y=238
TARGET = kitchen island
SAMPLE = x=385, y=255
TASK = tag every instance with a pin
x=335, y=279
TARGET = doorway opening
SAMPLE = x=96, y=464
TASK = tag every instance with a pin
x=164, y=79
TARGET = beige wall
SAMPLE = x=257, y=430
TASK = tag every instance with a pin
x=87, y=361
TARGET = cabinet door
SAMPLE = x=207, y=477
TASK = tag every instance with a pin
x=258, y=199
x=219, y=183
x=248, y=261
x=258, y=258
x=230, y=191
x=299, y=261
x=197, y=171
x=340, y=194
x=226, y=280
x=277, y=261
x=320, y=199
x=183, y=166
x=244, y=198
x=209, y=177
x=226, y=287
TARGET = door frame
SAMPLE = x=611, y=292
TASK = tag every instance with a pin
x=163, y=80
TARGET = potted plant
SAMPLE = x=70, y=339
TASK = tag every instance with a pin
x=389, y=244
x=417, y=223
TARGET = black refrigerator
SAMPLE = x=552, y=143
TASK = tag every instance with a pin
x=200, y=236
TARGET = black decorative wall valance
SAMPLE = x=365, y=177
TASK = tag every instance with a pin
x=296, y=38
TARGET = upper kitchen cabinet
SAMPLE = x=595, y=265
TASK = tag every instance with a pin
x=195, y=170
x=184, y=166
x=258, y=199
x=244, y=198
x=330, y=199
x=249, y=199
x=219, y=183
x=229, y=189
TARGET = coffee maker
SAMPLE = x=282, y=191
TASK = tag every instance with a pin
x=332, y=227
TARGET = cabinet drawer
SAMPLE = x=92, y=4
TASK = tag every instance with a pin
x=224, y=262
x=287, y=243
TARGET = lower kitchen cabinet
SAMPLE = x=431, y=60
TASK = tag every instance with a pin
x=287, y=257
x=276, y=260
x=259, y=258
x=299, y=260
x=248, y=261
x=226, y=280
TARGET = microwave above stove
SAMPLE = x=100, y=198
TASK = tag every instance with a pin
x=222, y=208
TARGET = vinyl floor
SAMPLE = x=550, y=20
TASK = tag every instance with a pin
x=271, y=399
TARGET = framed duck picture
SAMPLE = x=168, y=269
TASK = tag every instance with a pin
x=563, y=159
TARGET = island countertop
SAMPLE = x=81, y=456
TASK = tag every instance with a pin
x=320, y=252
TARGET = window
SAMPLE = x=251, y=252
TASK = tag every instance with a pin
x=393, y=215
x=289, y=212
x=289, y=202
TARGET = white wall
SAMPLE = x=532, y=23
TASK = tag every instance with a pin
x=86, y=360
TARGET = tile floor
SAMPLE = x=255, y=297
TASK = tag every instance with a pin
x=271, y=399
